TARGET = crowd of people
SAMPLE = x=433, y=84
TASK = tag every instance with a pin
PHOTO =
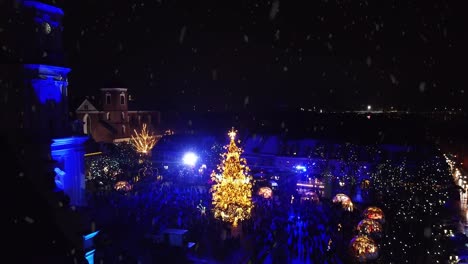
x=301, y=232
x=279, y=231
x=132, y=218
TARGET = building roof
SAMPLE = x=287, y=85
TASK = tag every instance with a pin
x=86, y=106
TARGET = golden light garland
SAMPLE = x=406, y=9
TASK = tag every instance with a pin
x=345, y=201
x=340, y=198
x=144, y=141
x=364, y=248
x=374, y=213
x=232, y=188
x=265, y=192
x=369, y=227
x=348, y=205
x=123, y=186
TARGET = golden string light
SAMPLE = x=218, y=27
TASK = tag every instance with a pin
x=232, y=188
x=364, y=248
x=143, y=141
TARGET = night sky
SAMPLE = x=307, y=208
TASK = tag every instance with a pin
x=252, y=54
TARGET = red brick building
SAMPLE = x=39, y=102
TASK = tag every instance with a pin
x=113, y=121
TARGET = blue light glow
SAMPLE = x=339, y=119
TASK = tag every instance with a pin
x=48, y=70
x=43, y=7
x=90, y=236
x=90, y=256
x=301, y=167
x=59, y=176
x=67, y=143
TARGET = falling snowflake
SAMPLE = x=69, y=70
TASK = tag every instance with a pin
x=393, y=79
x=274, y=9
x=422, y=87
x=182, y=34
x=369, y=61
x=277, y=34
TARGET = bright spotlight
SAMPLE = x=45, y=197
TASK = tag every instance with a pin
x=190, y=159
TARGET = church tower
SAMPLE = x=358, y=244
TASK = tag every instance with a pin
x=46, y=158
x=44, y=96
x=115, y=107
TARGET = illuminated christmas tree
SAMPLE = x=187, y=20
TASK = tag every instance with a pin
x=232, y=188
x=144, y=141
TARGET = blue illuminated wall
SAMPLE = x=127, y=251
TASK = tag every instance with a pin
x=50, y=82
x=70, y=153
x=46, y=100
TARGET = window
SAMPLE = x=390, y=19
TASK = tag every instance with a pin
x=123, y=130
x=108, y=98
x=122, y=98
x=87, y=125
x=86, y=107
x=123, y=116
x=108, y=116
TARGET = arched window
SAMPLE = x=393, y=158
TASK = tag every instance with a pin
x=108, y=116
x=122, y=98
x=108, y=98
x=123, y=115
x=86, y=125
x=123, y=130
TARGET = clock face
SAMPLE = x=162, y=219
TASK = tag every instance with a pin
x=46, y=27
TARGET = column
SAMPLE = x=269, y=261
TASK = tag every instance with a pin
x=70, y=151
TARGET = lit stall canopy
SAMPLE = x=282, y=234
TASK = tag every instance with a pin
x=344, y=200
x=265, y=192
x=348, y=205
x=123, y=186
x=369, y=227
x=340, y=198
x=364, y=248
x=374, y=213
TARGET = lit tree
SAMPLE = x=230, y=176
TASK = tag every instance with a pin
x=143, y=141
x=232, y=189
